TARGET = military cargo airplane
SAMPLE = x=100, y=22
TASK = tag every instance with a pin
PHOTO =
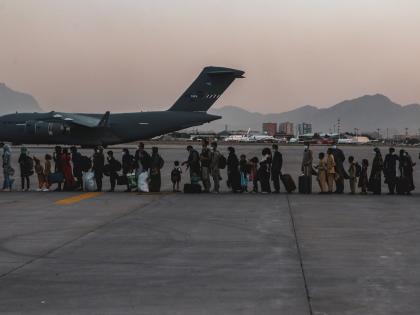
x=107, y=129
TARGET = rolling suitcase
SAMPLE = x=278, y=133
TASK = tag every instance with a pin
x=288, y=183
x=192, y=189
x=305, y=184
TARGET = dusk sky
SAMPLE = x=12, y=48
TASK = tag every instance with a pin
x=98, y=55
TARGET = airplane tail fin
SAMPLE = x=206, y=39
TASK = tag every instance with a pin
x=206, y=89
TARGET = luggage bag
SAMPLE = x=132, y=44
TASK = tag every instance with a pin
x=305, y=184
x=288, y=182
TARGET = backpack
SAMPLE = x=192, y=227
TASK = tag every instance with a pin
x=358, y=170
x=86, y=163
x=222, y=162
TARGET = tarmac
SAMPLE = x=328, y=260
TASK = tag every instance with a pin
x=171, y=253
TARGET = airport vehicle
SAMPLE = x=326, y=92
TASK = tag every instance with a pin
x=107, y=129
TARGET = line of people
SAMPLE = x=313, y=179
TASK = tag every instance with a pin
x=142, y=171
x=330, y=172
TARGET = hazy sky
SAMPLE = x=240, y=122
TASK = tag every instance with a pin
x=95, y=55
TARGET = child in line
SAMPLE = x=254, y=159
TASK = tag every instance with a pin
x=243, y=169
x=39, y=170
x=363, y=179
x=176, y=176
x=253, y=174
x=352, y=175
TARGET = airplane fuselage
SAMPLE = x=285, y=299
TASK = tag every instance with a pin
x=29, y=128
x=106, y=129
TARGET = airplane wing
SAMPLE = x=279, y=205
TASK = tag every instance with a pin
x=78, y=119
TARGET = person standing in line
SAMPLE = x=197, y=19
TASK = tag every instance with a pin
x=193, y=164
x=214, y=167
x=307, y=161
x=58, y=165
x=276, y=166
x=8, y=171
x=26, y=168
x=406, y=170
x=341, y=173
x=127, y=165
x=176, y=176
x=47, y=171
x=330, y=170
x=156, y=164
x=98, y=165
x=243, y=170
x=76, y=159
x=39, y=170
x=264, y=171
x=69, y=182
x=410, y=171
x=390, y=170
x=352, y=175
x=322, y=173
x=363, y=179
x=205, y=166
x=375, y=179
x=234, y=177
x=114, y=167
x=142, y=159
x=253, y=176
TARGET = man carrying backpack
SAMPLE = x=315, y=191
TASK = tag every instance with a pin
x=128, y=165
x=193, y=164
x=26, y=168
x=217, y=161
x=205, y=165
x=276, y=165
x=114, y=166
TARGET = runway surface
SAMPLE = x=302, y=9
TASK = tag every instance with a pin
x=125, y=253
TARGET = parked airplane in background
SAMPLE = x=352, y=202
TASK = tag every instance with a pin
x=107, y=129
x=249, y=137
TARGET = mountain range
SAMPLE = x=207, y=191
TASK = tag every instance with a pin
x=12, y=101
x=366, y=113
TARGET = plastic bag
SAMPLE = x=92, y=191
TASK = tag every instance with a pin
x=143, y=182
x=132, y=180
x=89, y=182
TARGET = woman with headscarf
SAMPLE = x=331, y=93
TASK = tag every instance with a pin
x=375, y=181
x=234, y=177
x=406, y=180
x=69, y=182
x=8, y=171
x=156, y=164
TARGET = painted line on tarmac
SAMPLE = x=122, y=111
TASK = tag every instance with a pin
x=300, y=257
x=78, y=198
